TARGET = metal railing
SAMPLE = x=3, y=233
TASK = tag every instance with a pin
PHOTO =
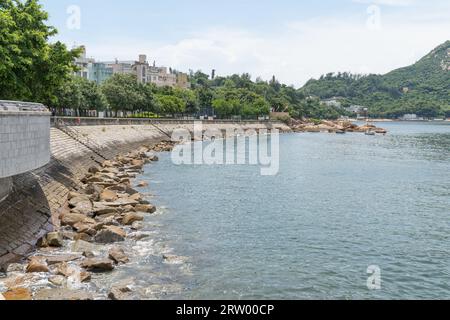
x=79, y=137
x=6, y=105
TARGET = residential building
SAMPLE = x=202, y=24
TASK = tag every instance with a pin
x=99, y=72
x=82, y=63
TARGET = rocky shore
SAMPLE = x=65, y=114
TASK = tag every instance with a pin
x=334, y=127
x=97, y=219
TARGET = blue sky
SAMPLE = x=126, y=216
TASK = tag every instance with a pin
x=292, y=39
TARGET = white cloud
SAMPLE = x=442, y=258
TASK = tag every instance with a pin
x=303, y=49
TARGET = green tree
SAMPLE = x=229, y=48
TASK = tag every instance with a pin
x=31, y=68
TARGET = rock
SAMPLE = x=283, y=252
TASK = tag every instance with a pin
x=135, y=197
x=70, y=219
x=52, y=260
x=85, y=276
x=79, y=199
x=63, y=294
x=88, y=254
x=93, y=189
x=98, y=264
x=173, y=259
x=37, y=265
x=2, y=298
x=17, y=294
x=74, y=195
x=83, y=236
x=118, y=203
x=138, y=236
x=68, y=235
x=148, y=208
x=108, y=196
x=110, y=234
x=54, y=239
x=137, y=225
x=118, y=255
x=57, y=280
x=84, y=207
x=42, y=242
x=85, y=228
x=82, y=246
x=15, y=267
x=93, y=170
x=120, y=293
x=131, y=217
x=142, y=184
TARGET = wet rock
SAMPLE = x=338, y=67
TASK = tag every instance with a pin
x=120, y=293
x=82, y=246
x=118, y=255
x=98, y=264
x=15, y=267
x=53, y=260
x=137, y=225
x=110, y=234
x=108, y=196
x=130, y=218
x=63, y=294
x=88, y=254
x=57, y=280
x=142, y=184
x=85, y=276
x=147, y=208
x=173, y=259
x=138, y=236
x=55, y=239
x=17, y=294
x=37, y=265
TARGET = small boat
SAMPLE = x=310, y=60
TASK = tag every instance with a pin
x=340, y=132
x=369, y=133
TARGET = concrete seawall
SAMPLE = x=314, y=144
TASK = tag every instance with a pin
x=38, y=197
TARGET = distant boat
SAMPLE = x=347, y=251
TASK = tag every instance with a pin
x=369, y=133
x=340, y=132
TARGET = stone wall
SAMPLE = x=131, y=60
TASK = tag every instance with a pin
x=24, y=141
x=38, y=197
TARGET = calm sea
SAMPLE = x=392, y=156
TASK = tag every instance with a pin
x=340, y=204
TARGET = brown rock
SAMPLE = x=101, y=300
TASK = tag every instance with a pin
x=37, y=265
x=93, y=170
x=131, y=217
x=120, y=293
x=85, y=228
x=70, y=219
x=17, y=294
x=54, y=239
x=85, y=276
x=108, y=196
x=79, y=199
x=148, y=208
x=142, y=184
x=83, y=236
x=110, y=234
x=98, y=264
x=118, y=255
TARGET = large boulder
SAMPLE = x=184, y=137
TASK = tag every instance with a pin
x=54, y=239
x=130, y=218
x=110, y=234
x=70, y=219
x=37, y=265
x=98, y=264
x=147, y=208
x=118, y=255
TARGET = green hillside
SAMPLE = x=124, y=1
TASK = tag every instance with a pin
x=423, y=88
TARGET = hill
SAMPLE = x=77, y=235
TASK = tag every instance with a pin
x=422, y=88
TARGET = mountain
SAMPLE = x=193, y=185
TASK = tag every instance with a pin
x=422, y=88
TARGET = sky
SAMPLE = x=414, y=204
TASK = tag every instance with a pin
x=294, y=40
